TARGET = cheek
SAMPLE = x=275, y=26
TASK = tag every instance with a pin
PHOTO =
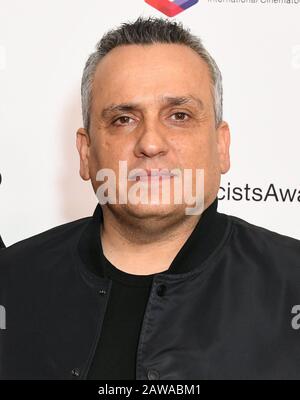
x=102, y=150
x=110, y=153
x=202, y=154
x=212, y=170
x=196, y=153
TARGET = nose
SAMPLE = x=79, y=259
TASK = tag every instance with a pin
x=151, y=142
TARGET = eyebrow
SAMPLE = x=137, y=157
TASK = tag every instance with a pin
x=167, y=100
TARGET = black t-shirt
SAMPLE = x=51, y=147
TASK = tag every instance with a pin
x=116, y=351
x=115, y=356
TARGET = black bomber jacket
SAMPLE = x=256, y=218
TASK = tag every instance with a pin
x=233, y=315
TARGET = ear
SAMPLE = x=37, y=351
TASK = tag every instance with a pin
x=83, y=147
x=223, y=143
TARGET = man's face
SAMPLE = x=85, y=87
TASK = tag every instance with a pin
x=138, y=114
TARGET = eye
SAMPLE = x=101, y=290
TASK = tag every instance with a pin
x=181, y=116
x=123, y=120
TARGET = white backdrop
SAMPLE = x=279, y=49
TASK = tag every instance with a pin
x=43, y=48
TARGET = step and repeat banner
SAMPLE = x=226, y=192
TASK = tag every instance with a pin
x=43, y=49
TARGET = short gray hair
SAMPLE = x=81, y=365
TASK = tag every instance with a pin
x=143, y=31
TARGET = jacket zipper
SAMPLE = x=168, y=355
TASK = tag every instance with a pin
x=84, y=374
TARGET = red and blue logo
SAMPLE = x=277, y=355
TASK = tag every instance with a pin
x=171, y=8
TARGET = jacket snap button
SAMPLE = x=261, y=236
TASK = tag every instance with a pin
x=75, y=372
x=161, y=290
x=153, y=374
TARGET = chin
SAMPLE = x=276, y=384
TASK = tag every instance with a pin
x=154, y=210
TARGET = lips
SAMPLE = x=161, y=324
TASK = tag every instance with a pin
x=146, y=174
x=154, y=177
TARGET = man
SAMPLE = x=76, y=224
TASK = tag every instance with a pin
x=147, y=290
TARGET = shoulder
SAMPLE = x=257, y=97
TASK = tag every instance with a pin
x=48, y=243
x=263, y=243
x=274, y=237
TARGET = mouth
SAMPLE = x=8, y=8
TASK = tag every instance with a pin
x=147, y=175
x=148, y=178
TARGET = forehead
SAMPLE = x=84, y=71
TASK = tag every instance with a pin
x=150, y=71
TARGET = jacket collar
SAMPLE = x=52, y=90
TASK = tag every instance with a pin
x=204, y=240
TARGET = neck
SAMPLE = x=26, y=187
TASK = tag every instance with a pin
x=144, y=246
